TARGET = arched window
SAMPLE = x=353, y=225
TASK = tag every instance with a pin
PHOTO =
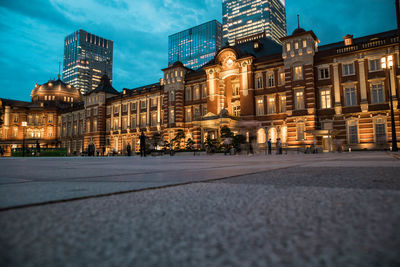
x=272, y=134
x=261, y=136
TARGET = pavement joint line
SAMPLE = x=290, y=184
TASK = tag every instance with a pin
x=114, y=175
x=134, y=190
x=396, y=156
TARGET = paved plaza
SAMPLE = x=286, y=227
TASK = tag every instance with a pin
x=339, y=209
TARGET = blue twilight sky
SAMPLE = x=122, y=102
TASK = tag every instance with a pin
x=32, y=32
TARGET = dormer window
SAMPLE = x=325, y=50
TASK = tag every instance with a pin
x=348, y=40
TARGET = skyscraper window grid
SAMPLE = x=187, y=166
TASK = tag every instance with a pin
x=86, y=58
x=243, y=18
x=196, y=46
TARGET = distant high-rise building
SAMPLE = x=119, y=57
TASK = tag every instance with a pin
x=243, y=18
x=196, y=46
x=86, y=58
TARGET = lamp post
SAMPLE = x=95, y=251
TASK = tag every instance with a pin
x=24, y=124
x=387, y=64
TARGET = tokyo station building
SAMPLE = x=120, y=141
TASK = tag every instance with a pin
x=335, y=95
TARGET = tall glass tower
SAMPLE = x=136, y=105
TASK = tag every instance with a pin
x=243, y=18
x=196, y=46
x=86, y=58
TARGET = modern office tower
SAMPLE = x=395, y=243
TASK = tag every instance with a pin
x=243, y=18
x=196, y=46
x=86, y=58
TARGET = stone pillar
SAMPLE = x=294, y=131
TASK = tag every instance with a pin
x=148, y=111
x=7, y=116
x=363, y=86
x=336, y=78
x=129, y=115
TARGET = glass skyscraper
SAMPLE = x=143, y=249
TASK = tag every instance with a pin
x=196, y=46
x=86, y=58
x=243, y=18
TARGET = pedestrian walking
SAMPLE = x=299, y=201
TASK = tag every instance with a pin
x=37, y=149
x=278, y=146
x=128, y=149
x=269, y=146
x=142, y=139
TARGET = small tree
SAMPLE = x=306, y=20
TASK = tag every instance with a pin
x=176, y=142
x=189, y=144
x=238, y=140
x=226, y=132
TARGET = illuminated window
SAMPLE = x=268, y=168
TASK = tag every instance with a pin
x=271, y=104
x=282, y=103
x=124, y=123
x=281, y=78
x=196, y=93
x=288, y=47
x=325, y=96
x=154, y=119
x=298, y=73
x=188, y=115
x=304, y=43
x=171, y=118
x=143, y=120
x=204, y=91
x=260, y=107
x=299, y=100
x=296, y=45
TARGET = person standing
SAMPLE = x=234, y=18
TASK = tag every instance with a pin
x=142, y=139
x=37, y=149
x=128, y=149
x=269, y=146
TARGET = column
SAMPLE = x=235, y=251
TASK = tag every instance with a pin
x=363, y=86
x=336, y=78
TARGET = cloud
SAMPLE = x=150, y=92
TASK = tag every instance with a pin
x=32, y=34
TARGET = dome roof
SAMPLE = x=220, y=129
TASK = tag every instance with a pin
x=298, y=30
x=56, y=87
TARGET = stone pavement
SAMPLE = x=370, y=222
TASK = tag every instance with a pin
x=287, y=210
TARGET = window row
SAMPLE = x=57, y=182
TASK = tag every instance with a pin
x=270, y=79
x=272, y=106
x=193, y=93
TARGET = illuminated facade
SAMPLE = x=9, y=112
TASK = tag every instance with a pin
x=41, y=115
x=243, y=18
x=86, y=58
x=196, y=46
x=332, y=96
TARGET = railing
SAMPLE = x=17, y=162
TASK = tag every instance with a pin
x=368, y=44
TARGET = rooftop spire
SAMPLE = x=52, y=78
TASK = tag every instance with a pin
x=59, y=70
x=298, y=21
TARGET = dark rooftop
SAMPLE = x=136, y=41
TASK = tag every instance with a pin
x=104, y=86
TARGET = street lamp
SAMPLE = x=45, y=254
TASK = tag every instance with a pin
x=24, y=124
x=387, y=64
